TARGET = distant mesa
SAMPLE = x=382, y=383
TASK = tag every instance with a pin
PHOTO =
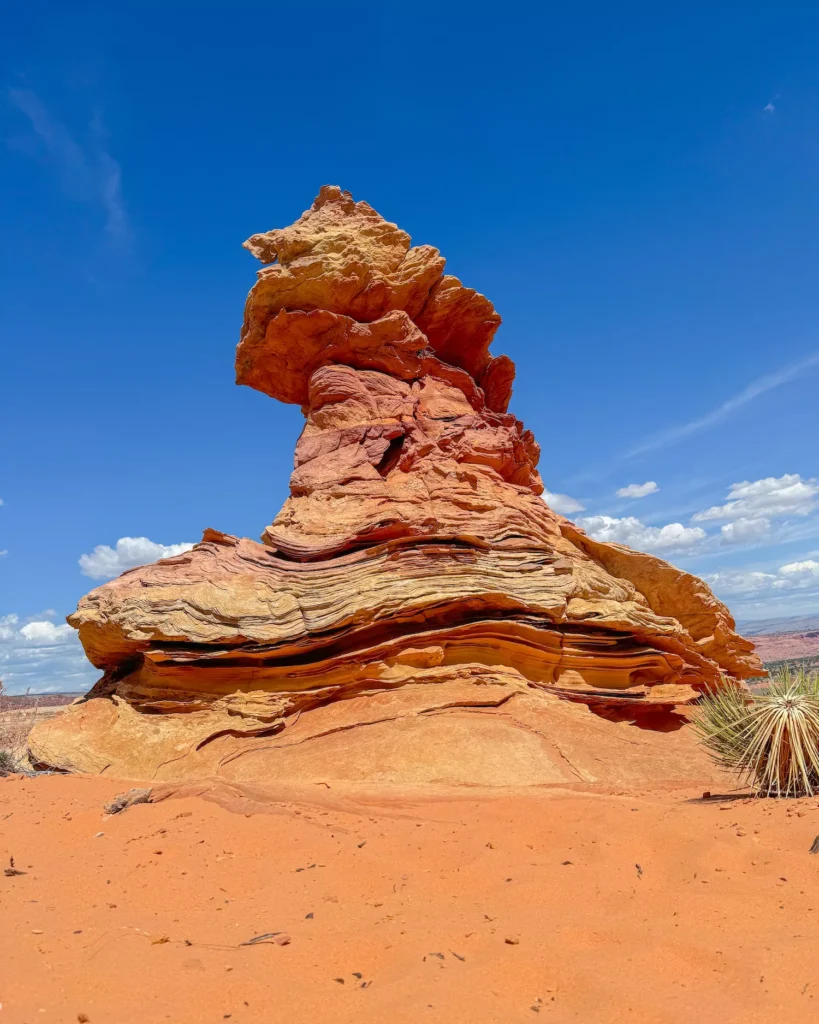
x=415, y=613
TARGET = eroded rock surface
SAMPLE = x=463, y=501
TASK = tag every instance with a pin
x=415, y=610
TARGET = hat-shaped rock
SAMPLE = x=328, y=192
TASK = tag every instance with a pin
x=416, y=612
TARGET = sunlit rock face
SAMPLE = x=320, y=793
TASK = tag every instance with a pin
x=416, y=612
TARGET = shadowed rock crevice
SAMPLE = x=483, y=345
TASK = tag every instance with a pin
x=389, y=460
x=415, y=582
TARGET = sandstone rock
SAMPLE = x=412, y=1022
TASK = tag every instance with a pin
x=122, y=801
x=281, y=362
x=416, y=612
x=460, y=324
x=343, y=257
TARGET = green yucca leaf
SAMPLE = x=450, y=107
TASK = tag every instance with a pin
x=770, y=740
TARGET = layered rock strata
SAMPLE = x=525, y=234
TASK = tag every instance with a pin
x=416, y=612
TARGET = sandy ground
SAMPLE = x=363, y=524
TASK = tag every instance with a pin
x=553, y=905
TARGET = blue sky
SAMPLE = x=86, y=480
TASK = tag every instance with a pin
x=633, y=185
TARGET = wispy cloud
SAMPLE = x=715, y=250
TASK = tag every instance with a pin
x=728, y=408
x=86, y=170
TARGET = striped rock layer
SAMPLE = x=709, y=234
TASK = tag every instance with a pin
x=416, y=612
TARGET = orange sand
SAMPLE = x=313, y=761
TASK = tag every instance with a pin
x=461, y=906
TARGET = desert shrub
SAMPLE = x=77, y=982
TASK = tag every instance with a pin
x=8, y=763
x=770, y=740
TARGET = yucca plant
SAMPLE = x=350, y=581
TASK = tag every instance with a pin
x=770, y=739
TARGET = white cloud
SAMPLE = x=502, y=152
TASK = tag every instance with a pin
x=802, y=570
x=787, y=495
x=105, y=562
x=739, y=581
x=634, y=534
x=562, y=503
x=744, y=531
x=45, y=632
x=42, y=657
x=7, y=624
x=791, y=589
x=638, y=490
x=769, y=108
x=795, y=576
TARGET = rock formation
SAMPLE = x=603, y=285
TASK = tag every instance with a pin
x=415, y=612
